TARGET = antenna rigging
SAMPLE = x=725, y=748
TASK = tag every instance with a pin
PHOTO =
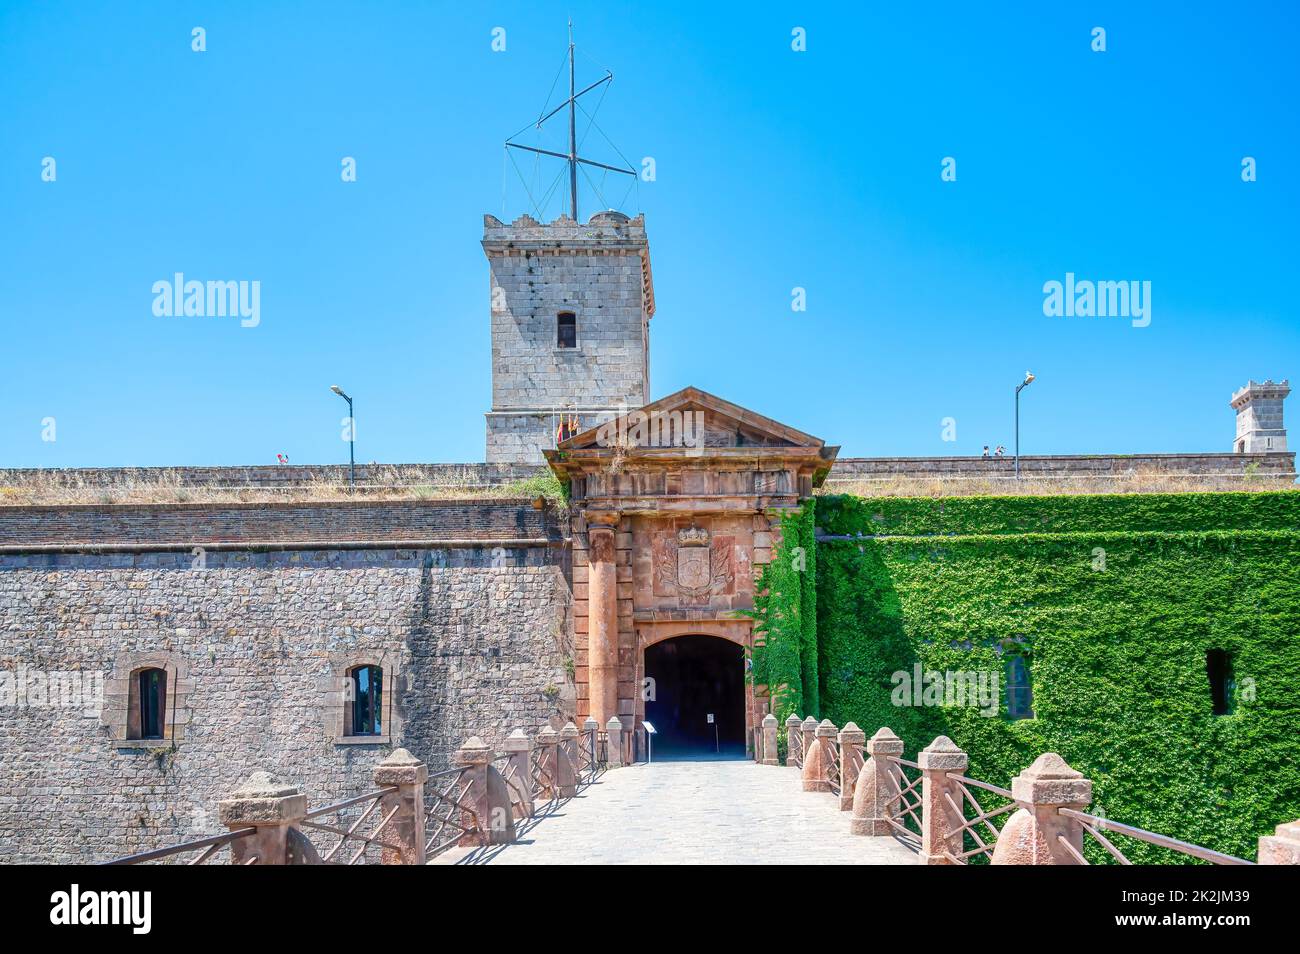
x=571, y=158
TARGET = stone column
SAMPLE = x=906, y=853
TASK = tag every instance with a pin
x=568, y=761
x=770, y=726
x=613, y=743
x=875, y=796
x=276, y=810
x=476, y=809
x=1282, y=847
x=808, y=730
x=941, y=823
x=406, y=828
x=793, y=739
x=548, y=740
x=602, y=618
x=521, y=781
x=851, y=739
x=819, y=759
x=1033, y=836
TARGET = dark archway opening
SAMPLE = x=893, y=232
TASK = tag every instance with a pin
x=695, y=677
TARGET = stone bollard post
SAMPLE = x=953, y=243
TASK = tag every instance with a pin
x=768, y=731
x=851, y=739
x=474, y=757
x=875, y=796
x=568, y=760
x=521, y=781
x=591, y=729
x=819, y=760
x=793, y=741
x=406, y=828
x=808, y=735
x=276, y=810
x=1282, y=847
x=1033, y=837
x=941, y=823
x=613, y=743
x=548, y=740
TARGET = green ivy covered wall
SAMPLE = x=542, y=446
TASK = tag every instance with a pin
x=1111, y=602
x=785, y=656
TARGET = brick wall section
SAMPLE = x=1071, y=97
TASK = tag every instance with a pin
x=189, y=525
x=1060, y=465
x=481, y=650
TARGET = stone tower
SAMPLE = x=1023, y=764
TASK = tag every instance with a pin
x=1259, y=417
x=571, y=309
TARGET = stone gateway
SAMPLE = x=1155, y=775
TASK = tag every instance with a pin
x=668, y=541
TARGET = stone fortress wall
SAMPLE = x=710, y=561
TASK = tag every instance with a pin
x=466, y=604
x=256, y=638
x=350, y=523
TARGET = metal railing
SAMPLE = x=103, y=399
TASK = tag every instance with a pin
x=541, y=778
x=448, y=815
x=906, y=801
x=590, y=756
x=970, y=828
x=410, y=816
x=520, y=788
x=212, y=845
x=1093, y=826
x=586, y=748
x=368, y=843
x=834, y=770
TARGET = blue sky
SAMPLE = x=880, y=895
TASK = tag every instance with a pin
x=775, y=169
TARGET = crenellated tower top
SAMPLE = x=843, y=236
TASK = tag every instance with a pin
x=571, y=305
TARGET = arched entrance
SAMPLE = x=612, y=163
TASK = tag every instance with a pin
x=689, y=680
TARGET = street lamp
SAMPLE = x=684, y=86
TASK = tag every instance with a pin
x=1029, y=379
x=352, y=438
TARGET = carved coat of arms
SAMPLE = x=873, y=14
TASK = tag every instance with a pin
x=693, y=567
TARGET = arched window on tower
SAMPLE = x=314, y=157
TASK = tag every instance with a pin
x=365, y=700
x=147, y=705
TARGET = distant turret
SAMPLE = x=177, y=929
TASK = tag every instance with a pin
x=1259, y=417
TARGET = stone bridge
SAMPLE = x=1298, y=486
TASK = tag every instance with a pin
x=570, y=797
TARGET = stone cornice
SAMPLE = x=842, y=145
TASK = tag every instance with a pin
x=665, y=504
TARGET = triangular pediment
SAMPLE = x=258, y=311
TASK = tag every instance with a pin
x=688, y=416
